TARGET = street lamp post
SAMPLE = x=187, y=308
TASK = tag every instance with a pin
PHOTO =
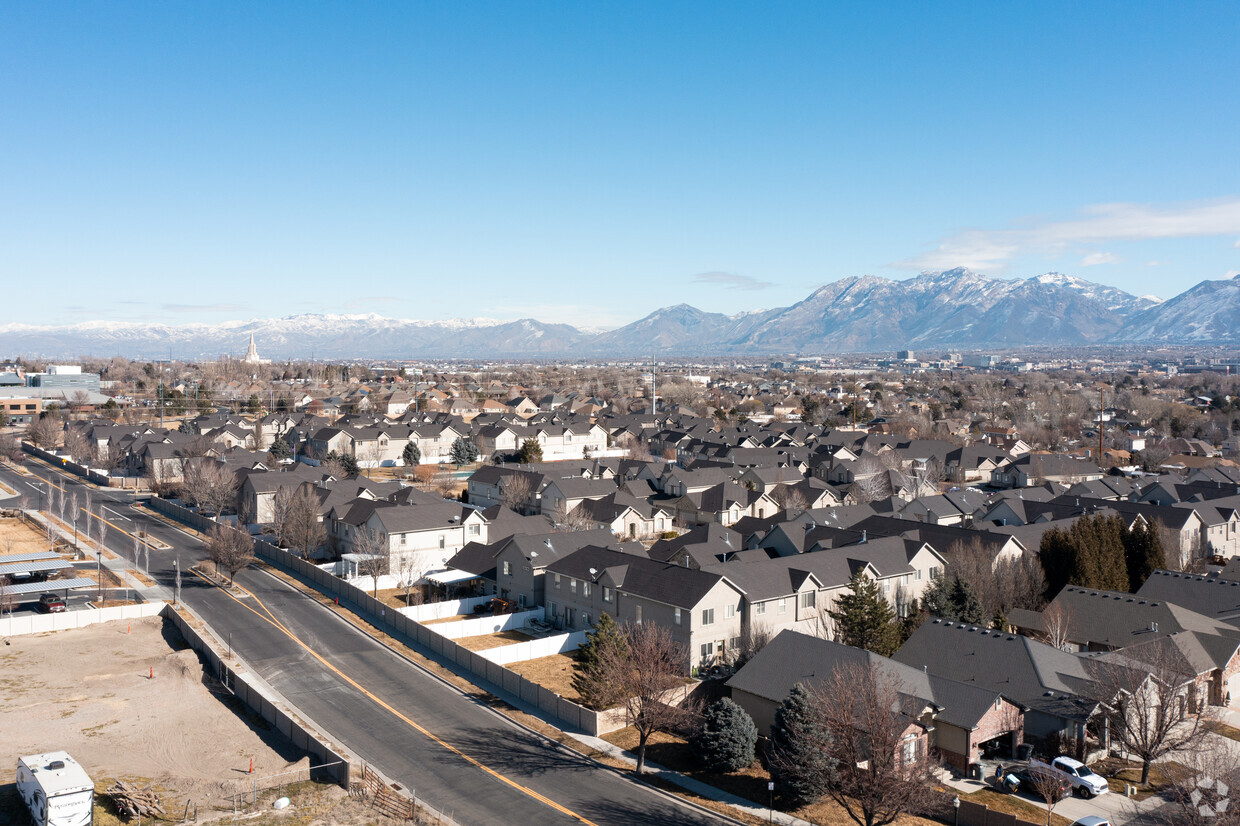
x=99, y=573
x=956, y=806
x=770, y=789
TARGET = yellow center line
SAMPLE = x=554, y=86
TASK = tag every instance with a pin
x=270, y=618
x=113, y=525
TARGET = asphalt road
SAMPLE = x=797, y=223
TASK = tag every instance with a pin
x=365, y=697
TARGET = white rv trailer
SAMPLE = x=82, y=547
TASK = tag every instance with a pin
x=56, y=789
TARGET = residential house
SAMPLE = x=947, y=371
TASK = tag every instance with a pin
x=701, y=610
x=963, y=722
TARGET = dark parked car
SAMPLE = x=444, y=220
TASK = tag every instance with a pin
x=52, y=604
x=1027, y=779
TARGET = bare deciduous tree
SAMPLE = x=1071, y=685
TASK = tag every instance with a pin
x=44, y=432
x=371, y=546
x=638, y=676
x=1056, y=625
x=303, y=528
x=408, y=573
x=882, y=765
x=1049, y=786
x=515, y=491
x=1205, y=795
x=1151, y=700
x=230, y=549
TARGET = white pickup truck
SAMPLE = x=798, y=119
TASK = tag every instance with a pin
x=1084, y=781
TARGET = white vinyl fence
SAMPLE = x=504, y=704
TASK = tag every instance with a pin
x=11, y=626
x=532, y=650
x=440, y=610
x=486, y=625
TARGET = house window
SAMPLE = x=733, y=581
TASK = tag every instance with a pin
x=585, y=588
x=759, y=608
x=442, y=541
x=676, y=615
x=474, y=530
x=934, y=571
x=734, y=643
x=572, y=585
x=606, y=594
x=507, y=568
x=807, y=599
x=708, y=650
x=585, y=619
x=403, y=538
x=708, y=616
x=551, y=609
x=557, y=580
x=783, y=605
x=637, y=614
x=917, y=575
x=729, y=612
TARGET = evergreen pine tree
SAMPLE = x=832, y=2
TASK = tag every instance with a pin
x=605, y=636
x=1056, y=555
x=412, y=454
x=965, y=603
x=936, y=599
x=1144, y=553
x=280, y=448
x=727, y=738
x=865, y=619
x=799, y=750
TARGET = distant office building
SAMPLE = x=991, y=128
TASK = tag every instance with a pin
x=64, y=377
x=981, y=361
x=905, y=355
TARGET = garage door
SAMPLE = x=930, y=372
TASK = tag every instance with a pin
x=1232, y=687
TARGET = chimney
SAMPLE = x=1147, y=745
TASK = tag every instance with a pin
x=686, y=560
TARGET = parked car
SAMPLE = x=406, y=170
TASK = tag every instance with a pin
x=1092, y=820
x=1027, y=779
x=52, y=604
x=1084, y=781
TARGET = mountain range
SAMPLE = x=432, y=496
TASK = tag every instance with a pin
x=957, y=309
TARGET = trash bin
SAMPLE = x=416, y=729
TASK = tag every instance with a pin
x=975, y=771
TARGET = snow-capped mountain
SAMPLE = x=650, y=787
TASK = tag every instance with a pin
x=956, y=308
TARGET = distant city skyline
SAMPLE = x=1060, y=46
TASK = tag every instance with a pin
x=587, y=163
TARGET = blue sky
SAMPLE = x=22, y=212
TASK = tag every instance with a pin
x=590, y=162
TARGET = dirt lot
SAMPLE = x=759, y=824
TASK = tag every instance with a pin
x=88, y=691
x=554, y=673
x=17, y=537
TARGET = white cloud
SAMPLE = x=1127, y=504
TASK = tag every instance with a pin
x=1096, y=258
x=732, y=281
x=1154, y=263
x=1232, y=273
x=1237, y=244
x=992, y=249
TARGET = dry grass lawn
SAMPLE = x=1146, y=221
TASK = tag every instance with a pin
x=554, y=673
x=1023, y=809
x=485, y=641
x=1119, y=773
x=1222, y=729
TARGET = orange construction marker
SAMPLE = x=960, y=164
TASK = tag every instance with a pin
x=152, y=673
x=251, y=765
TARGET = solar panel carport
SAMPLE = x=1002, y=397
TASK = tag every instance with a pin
x=51, y=587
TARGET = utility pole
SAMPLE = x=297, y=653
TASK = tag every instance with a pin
x=1101, y=415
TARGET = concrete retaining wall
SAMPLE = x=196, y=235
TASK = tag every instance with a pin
x=254, y=698
x=427, y=639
